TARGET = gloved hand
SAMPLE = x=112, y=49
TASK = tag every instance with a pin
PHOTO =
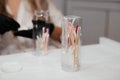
x=7, y=24
x=40, y=24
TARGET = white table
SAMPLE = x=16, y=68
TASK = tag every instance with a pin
x=98, y=62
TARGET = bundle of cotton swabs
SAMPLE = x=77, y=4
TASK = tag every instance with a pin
x=42, y=40
x=73, y=41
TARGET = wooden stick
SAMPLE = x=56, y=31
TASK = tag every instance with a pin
x=71, y=34
x=77, y=39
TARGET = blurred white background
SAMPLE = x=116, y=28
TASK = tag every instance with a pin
x=100, y=17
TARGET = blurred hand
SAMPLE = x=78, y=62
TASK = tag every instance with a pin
x=40, y=24
x=7, y=24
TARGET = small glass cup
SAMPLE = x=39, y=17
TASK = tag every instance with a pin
x=40, y=32
x=71, y=31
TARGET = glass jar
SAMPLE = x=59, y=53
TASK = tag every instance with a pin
x=40, y=32
x=71, y=31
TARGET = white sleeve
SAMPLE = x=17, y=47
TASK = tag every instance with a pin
x=55, y=15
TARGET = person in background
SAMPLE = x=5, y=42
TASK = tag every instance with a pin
x=16, y=16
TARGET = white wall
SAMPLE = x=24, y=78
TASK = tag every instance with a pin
x=101, y=17
x=59, y=4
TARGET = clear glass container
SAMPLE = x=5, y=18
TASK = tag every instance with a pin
x=71, y=31
x=40, y=32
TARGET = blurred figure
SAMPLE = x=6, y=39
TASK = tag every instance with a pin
x=16, y=16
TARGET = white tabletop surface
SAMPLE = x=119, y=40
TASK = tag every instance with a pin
x=97, y=62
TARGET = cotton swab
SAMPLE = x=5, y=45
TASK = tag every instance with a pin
x=46, y=39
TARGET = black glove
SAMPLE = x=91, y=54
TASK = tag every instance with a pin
x=40, y=24
x=24, y=33
x=7, y=24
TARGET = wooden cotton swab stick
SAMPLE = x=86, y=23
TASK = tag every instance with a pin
x=77, y=40
x=71, y=34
